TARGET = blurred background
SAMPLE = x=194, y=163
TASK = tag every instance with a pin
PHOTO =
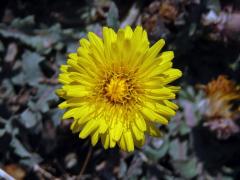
x=201, y=142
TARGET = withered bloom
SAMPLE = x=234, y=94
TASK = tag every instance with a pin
x=221, y=115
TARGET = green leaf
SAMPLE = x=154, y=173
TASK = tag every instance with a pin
x=2, y=132
x=112, y=16
x=2, y=48
x=19, y=149
x=19, y=79
x=29, y=118
x=178, y=150
x=56, y=115
x=31, y=161
x=156, y=154
x=188, y=168
x=122, y=169
x=214, y=5
x=23, y=23
x=183, y=128
x=192, y=29
x=31, y=68
x=46, y=96
x=9, y=89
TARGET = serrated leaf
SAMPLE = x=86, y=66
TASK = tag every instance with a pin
x=2, y=48
x=19, y=79
x=187, y=168
x=112, y=16
x=214, y=5
x=189, y=113
x=23, y=22
x=31, y=161
x=29, y=119
x=9, y=90
x=122, y=169
x=56, y=115
x=156, y=154
x=178, y=150
x=46, y=95
x=19, y=149
x=41, y=43
x=183, y=128
x=31, y=68
x=2, y=132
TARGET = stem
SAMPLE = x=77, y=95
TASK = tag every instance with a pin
x=85, y=162
x=5, y=175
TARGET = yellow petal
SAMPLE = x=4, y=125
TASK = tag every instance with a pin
x=64, y=68
x=166, y=57
x=164, y=110
x=81, y=113
x=118, y=129
x=73, y=56
x=162, y=97
x=104, y=127
x=160, y=108
x=75, y=65
x=155, y=49
x=140, y=122
x=84, y=43
x=137, y=133
x=128, y=32
x=122, y=144
x=139, y=143
x=70, y=113
x=129, y=140
x=94, y=39
x=153, y=130
x=151, y=54
x=64, y=78
x=82, y=79
x=112, y=142
x=153, y=83
x=89, y=128
x=75, y=127
x=94, y=137
x=76, y=90
x=105, y=140
x=156, y=70
x=73, y=102
x=161, y=91
x=174, y=89
x=170, y=104
x=60, y=92
x=172, y=74
x=153, y=116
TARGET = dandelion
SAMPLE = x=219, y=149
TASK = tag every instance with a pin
x=220, y=112
x=116, y=88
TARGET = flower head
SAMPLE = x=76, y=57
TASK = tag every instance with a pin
x=115, y=88
x=221, y=114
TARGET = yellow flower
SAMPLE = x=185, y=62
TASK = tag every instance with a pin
x=115, y=88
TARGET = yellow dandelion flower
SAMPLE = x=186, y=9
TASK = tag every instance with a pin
x=116, y=88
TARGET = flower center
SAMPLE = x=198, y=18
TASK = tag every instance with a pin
x=116, y=90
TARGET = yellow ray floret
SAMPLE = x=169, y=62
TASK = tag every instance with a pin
x=116, y=88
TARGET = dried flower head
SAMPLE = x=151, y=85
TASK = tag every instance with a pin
x=116, y=89
x=225, y=25
x=158, y=13
x=221, y=115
